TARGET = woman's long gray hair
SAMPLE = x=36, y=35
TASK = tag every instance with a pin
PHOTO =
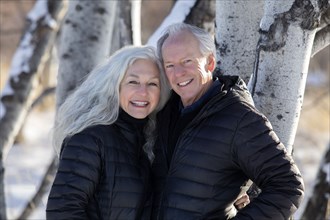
x=96, y=100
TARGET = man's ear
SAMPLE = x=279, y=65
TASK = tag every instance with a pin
x=211, y=62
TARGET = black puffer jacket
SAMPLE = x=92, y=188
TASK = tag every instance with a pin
x=225, y=145
x=103, y=174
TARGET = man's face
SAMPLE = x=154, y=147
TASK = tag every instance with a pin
x=188, y=71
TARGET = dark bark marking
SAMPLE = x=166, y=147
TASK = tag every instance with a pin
x=100, y=11
x=78, y=8
x=66, y=56
x=303, y=12
x=279, y=117
x=260, y=94
x=93, y=38
x=223, y=49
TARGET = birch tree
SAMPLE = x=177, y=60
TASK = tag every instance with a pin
x=84, y=42
x=277, y=57
x=122, y=33
x=26, y=66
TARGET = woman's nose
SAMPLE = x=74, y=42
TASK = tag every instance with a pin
x=142, y=90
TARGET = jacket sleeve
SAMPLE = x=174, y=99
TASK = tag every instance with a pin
x=263, y=158
x=76, y=179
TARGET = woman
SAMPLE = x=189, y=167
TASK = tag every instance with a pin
x=105, y=132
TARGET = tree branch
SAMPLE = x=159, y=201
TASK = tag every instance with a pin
x=321, y=40
x=44, y=94
x=43, y=189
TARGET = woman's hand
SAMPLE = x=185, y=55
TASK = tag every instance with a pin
x=242, y=201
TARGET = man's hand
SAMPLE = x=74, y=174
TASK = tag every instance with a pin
x=241, y=202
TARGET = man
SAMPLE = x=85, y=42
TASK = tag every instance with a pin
x=212, y=140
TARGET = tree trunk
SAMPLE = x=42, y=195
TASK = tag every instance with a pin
x=136, y=22
x=318, y=206
x=237, y=36
x=283, y=55
x=203, y=20
x=122, y=34
x=84, y=43
x=26, y=67
x=278, y=60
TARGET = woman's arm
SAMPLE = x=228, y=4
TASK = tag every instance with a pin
x=76, y=179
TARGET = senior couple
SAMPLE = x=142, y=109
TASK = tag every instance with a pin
x=131, y=149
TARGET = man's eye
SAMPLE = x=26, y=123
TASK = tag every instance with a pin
x=186, y=61
x=153, y=84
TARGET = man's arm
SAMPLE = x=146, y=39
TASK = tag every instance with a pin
x=263, y=158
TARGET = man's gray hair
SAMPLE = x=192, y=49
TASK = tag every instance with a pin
x=206, y=41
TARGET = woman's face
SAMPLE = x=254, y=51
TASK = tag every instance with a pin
x=140, y=89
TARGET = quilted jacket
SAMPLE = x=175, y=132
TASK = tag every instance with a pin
x=103, y=174
x=225, y=145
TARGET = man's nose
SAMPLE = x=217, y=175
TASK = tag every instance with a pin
x=178, y=70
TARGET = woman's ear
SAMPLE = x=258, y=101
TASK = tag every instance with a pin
x=211, y=63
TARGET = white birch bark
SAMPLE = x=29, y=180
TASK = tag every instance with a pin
x=136, y=22
x=122, y=34
x=203, y=20
x=84, y=42
x=178, y=13
x=284, y=51
x=278, y=57
x=237, y=25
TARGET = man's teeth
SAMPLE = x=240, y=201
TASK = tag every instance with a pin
x=140, y=103
x=185, y=83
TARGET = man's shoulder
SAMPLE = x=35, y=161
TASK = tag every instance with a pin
x=235, y=86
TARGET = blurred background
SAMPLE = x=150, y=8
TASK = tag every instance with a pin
x=30, y=156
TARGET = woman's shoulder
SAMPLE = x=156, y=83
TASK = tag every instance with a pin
x=93, y=133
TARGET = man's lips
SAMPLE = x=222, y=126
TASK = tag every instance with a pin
x=185, y=83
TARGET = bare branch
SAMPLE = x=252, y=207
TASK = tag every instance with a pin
x=17, y=95
x=44, y=94
x=43, y=189
x=321, y=40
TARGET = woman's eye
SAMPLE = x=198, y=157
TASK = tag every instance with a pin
x=133, y=82
x=168, y=66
